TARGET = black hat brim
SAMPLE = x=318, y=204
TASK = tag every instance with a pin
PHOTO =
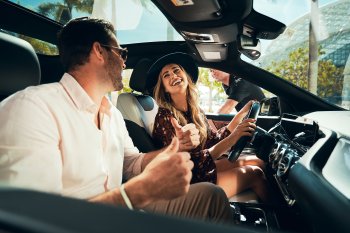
x=182, y=59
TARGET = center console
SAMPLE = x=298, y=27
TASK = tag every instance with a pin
x=269, y=218
x=281, y=148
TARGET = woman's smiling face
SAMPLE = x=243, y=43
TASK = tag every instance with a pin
x=174, y=79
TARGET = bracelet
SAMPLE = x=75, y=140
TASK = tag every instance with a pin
x=125, y=197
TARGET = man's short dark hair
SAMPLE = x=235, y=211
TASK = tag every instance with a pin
x=76, y=38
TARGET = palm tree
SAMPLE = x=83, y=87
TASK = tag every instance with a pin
x=63, y=12
x=313, y=47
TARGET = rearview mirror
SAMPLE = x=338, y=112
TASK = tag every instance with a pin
x=249, y=46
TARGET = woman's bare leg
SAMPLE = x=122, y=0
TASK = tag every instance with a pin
x=242, y=161
x=250, y=160
x=238, y=179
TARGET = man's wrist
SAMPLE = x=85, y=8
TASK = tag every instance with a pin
x=125, y=197
x=137, y=192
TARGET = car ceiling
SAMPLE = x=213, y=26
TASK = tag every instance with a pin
x=214, y=26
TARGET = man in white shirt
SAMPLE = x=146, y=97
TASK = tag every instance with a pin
x=67, y=138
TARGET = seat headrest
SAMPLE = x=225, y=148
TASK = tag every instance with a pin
x=139, y=76
x=19, y=65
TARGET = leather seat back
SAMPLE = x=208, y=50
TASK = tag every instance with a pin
x=19, y=65
x=139, y=109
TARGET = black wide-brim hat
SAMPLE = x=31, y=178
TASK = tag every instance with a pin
x=182, y=59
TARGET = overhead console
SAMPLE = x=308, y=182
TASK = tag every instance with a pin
x=257, y=26
x=181, y=12
x=212, y=27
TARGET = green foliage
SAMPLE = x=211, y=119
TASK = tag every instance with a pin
x=126, y=80
x=295, y=70
x=126, y=88
x=205, y=79
x=330, y=79
x=62, y=12
x=41, y=47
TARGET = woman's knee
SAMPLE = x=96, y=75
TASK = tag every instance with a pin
x=253, y=173
x=258, y=172
x=251, y=160
x=260, y=163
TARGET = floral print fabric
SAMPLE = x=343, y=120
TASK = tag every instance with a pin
x=204, y=169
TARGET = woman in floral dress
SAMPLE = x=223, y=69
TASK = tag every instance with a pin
x=173, y=77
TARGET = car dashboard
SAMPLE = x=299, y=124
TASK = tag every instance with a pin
x=323, y=148
x=308, y=162
x=293, y=137
x=320, y=179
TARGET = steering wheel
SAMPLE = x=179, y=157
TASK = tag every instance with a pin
x=238, y=147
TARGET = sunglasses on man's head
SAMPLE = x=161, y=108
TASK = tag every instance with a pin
x=122, y=52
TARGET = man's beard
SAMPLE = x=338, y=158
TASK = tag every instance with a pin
x=113, y=73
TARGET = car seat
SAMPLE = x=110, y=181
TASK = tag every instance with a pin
x=19, y=65
x=139, y=109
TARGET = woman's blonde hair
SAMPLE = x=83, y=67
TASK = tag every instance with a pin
x=163, y=99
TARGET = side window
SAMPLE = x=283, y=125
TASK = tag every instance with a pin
x=40, y=47
x=314, y=51
x=212, y=95
x=211, y=92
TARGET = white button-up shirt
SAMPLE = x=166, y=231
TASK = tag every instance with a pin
x=49, y=142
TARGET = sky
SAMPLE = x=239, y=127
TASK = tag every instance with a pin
x=291, y=9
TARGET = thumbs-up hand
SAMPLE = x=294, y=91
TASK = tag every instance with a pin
x=168, y=175
x=188, y=135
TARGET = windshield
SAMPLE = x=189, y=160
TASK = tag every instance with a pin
x=135, y=20
x=316, y=61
